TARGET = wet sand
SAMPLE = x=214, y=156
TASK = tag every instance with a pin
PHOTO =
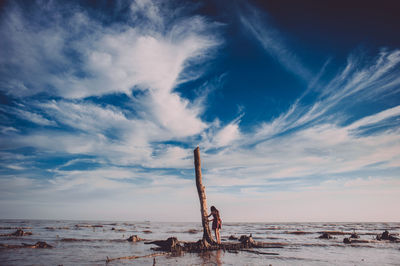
x=91, y=242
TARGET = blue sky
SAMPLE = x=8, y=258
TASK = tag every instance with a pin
x=295, y=107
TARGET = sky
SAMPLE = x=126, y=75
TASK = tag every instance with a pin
x=295, y=106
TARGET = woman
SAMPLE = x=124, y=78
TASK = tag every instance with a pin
x=217, y=222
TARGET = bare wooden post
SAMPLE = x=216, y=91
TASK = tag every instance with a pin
x=202, y=197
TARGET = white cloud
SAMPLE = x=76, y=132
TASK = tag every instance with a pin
x=27, y=115
x=149, y=10
x=35, y=118
x=5, y=130
x=150, y=57
x=218, y=136
x=376, y=118
x=304, y=149
x=300, y=144
x=173, y=113
x=227, y=134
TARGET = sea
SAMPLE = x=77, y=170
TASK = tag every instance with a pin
x=93, y=242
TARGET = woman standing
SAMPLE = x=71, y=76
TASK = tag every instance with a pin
x=217, y=222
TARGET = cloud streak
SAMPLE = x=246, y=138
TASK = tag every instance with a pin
x=273, y=42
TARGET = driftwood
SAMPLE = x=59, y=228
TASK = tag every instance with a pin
x=259, y=252
x=173, y=245
x=135, y=238
x=38, y=244
x=19, y=232
x=203, y=200
x=137, y=257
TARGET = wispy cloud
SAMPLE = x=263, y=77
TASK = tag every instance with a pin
x=356, y=83
x=273, y=42
x=310, y=140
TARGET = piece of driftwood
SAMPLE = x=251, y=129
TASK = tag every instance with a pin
x=137, y=257
x=202, y=197
x=334, y=232
x=170, y=245
x=173, y=245
x=259, y=252
x=39, y=244
x=135, y=238
x=19, y=232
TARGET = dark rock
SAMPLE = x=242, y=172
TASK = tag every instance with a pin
x=246, y=240
x=147, y=232
x=20, y=232
x=354, y=235
x=134, y=238
x=232, y=237
x=325, y=236
x=386, y=236
x=347, y=240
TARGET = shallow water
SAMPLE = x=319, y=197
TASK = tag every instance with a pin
x=91, y=242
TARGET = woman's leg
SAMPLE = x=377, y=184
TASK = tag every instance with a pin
x=217, y=235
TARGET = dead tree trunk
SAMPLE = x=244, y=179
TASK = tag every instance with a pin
x=202, y=197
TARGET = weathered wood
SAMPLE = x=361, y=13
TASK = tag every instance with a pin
x=137, y=257
x=173, y=245
x=207, y=237
x=39, y=244
x=134, y=238
x=259, y=252
x=19, y=232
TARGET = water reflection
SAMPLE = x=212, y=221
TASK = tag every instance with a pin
x=211, y=257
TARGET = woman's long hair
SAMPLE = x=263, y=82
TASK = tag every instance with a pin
x=213, y=209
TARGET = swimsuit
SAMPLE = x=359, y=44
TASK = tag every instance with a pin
x=216, y=222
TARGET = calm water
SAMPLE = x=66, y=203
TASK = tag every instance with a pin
x=88, y=245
